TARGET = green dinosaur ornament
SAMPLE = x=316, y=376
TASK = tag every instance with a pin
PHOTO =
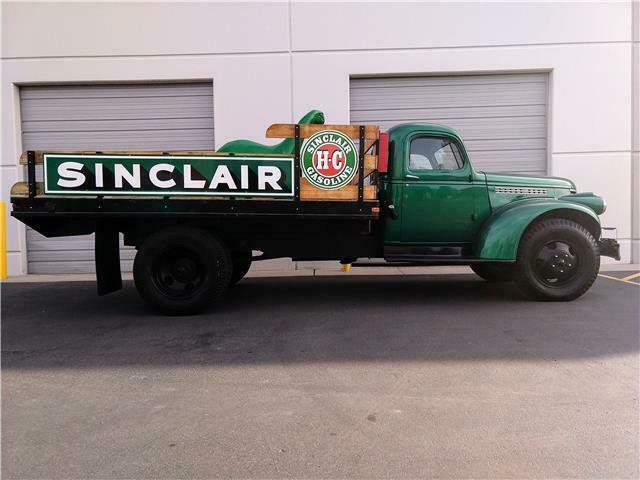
x=285, y=147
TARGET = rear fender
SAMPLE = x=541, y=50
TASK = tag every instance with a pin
x=500, y=235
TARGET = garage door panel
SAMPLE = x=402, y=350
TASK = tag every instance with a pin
x=40, y=243
x=75, y=255
x=520, y=161
x=118, y=91
x=117, y=125
x=125, y=140
x=501, y=117
x=498, y=128
x=400, y=115
x=492, y=128
x=109, y=117
x=516, y=144
x=69, y=254
x=462, y=96
x=75, y=267
x=364, y=83
x=115, y=108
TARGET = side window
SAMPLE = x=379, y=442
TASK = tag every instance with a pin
x=432, y=153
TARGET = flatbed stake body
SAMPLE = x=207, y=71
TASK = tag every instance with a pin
x=409, y=196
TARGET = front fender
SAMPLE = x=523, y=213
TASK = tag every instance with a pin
x=500, y=235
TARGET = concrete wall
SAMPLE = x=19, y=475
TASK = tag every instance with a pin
x=271, y=62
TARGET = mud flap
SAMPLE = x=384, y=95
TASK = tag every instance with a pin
x=107, y=259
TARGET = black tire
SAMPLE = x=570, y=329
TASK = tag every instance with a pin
x=241, y=265
x=494, y=272
x=179, y=271
x=558, y=260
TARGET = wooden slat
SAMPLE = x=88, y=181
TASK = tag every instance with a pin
x=21, y=189
x=349, y=192
x=370, y=163
x=287, y=130
x=39, y=154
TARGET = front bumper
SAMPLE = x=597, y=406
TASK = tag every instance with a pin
x=609, y=247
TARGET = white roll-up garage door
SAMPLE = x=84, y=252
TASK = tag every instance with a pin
x=175, y=116
x=502, y=118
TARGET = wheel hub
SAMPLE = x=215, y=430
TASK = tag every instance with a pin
x=556, y=263
x=184, y=269
x=178, y=273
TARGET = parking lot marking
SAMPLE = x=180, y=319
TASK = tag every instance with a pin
x=630, y=277
x=619, y=279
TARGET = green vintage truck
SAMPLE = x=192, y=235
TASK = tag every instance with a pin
x=409, y=196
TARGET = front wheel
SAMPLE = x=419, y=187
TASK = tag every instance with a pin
x=179, y=271
x=558, y=260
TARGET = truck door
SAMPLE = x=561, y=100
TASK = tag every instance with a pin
x=443, y=197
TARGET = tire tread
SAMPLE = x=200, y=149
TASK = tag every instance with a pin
x=523, y=278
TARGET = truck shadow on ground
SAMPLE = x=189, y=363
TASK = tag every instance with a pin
x=316, y=319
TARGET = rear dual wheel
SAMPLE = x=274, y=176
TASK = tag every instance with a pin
x=179, y=271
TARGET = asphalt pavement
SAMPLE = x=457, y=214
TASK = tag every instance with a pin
x=322, y=377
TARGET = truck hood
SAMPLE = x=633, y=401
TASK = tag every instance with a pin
x=513, y=179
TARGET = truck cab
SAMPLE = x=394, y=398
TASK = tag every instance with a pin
x=434, y=190
x=442, y=211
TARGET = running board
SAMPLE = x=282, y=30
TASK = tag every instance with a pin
x=426, y=253
x=428, y=261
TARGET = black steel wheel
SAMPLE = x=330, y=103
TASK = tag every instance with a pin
x=494, y=272
x=556, y=263
x=558, y=259
x=179, y=271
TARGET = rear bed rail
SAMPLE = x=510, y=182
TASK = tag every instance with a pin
x=118, y=183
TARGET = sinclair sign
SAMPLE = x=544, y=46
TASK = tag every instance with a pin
x=98, y=174
x=329, y=160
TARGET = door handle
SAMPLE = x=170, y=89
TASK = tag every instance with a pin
x=392, y=211
x=412, y=177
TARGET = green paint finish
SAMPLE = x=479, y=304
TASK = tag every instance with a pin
x=193, y=175
x=589, y=199
x=500, y=235
x=286, y=146
x=448, y=211
x=489, y=211
x=435, y=206
x=517, y=180
x=392, y=193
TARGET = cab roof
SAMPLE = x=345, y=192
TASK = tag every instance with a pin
x=404, y=129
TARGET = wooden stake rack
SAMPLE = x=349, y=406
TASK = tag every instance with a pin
x=356, y=190
x=363, y=187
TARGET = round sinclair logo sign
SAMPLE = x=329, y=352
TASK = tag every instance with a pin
x=329, y=160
